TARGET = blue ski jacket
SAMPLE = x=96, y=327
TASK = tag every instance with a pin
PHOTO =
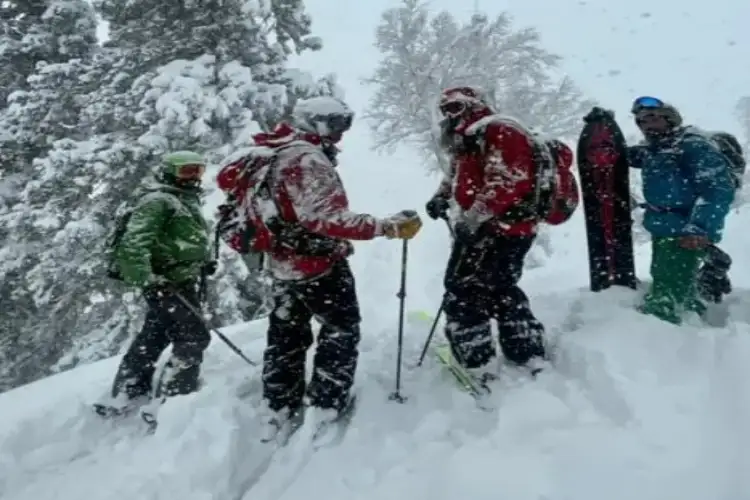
x=687, y=185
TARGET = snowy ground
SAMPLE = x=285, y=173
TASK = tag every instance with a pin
x=635, y=408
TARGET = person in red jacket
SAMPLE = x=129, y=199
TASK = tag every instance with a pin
x=312, y=224
x=492, y=186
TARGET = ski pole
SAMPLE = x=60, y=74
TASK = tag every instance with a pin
x=428, y=340
x=223, y=337
x=396, y=395
x=431, y=334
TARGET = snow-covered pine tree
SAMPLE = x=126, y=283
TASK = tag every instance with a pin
x=227, y=81
x=45, y=48
x=201, y=75
x=425, y=53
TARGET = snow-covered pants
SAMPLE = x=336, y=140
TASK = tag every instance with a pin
x=674, y=290
x=332, y=300
x=481, y=283
x=168, y=320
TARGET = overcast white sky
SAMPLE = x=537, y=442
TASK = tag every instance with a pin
x=693, y=53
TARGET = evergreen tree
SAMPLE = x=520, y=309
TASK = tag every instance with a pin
x=200, y=75
x=47, y=43
x=424, y=53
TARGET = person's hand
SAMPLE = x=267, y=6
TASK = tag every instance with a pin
x=210, y=267
x=156, y=287
x=437, y=208
x=404, y=225
x=693, y=242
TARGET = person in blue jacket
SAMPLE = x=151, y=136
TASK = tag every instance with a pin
x=688, y=189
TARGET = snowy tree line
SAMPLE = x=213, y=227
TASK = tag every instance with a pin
x=82, y=123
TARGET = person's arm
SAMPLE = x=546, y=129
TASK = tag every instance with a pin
x=135, y=248
x=321, y=204
x=712, y=181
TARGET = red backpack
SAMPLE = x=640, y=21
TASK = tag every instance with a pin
x=566, y=197
x=243, y=217
x=550, y=201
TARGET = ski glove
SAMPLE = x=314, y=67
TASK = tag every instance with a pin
x=157, y=287
x=437, y=208
x=404, y=225
x=210, y=267
x=694, y=242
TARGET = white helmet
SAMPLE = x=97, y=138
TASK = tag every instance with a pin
x=325, y=116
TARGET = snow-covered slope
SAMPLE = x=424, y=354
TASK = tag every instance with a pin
x=634, y=409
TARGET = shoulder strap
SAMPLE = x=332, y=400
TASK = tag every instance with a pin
x=687, y=172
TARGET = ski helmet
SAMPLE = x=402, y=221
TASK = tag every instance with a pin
x=647, y=109
x=182, y=167
x=324, y=116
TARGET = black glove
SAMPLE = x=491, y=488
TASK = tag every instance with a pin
x=210, y=267
x=437, y=208
x=157, y=290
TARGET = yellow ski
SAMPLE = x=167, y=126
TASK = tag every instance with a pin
x=465, y=380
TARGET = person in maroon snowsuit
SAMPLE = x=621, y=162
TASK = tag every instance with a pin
x=309, y=195
x=490, y=184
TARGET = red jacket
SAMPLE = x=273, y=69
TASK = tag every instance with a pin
x=488, y=183
x=307, y=190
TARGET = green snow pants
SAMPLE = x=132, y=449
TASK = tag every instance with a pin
x=673, y=291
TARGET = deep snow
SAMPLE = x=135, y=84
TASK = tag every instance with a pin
x=635, y=408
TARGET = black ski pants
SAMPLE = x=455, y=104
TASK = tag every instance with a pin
x=168, y=320
x=481, y=283
x=332, y=300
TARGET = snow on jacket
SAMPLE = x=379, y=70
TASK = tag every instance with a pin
x=308, y=191
x=687, y=186
x=166, y=235
x=491, y=182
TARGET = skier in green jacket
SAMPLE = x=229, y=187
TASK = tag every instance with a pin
x=164, y=251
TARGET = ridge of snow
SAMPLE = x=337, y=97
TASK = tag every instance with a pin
x=635, y=409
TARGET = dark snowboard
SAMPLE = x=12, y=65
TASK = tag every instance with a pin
x=603, y=168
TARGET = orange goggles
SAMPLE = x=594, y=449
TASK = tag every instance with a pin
x=191, y=171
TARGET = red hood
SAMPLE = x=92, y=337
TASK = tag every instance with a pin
x=282, y=135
